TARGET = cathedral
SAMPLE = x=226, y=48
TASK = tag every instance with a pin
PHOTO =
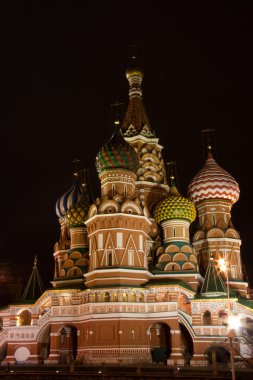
x=142, y=274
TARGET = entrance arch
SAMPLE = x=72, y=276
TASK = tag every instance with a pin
x=68, y=344
x=160, y=342
x=217, y=354
x=186, y=344
x=44, y=342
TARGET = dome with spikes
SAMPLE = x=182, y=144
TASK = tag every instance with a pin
x=117, y=154
x=77, y=215
x=213, y=182
x=174, y=206
x=68, y=199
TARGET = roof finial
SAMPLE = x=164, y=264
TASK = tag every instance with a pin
x=135, y=55
x=116, y=114
x=76, y=166
x=35, y=261
x=134, y=74
x=207, y=133
x=82, y=175
x=171, y=169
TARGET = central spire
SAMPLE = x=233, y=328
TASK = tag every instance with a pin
x=136, y=120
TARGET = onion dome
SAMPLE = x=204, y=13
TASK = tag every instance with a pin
x=68, y=199
x=117, y=154
x=174, y=206
x=78, y=214
x=213, y=182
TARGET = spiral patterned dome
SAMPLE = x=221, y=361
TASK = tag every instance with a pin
x=68, y=199
x=77, y=214
x=213, y=182
x=174, y=206
x=117, y=153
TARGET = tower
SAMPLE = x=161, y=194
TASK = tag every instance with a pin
x=214, y=191
x=71, y=253
x=176, y=258
x=117, y=225
x=151, y=178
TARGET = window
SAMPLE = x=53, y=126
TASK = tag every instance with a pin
x=222, y=317
x=214, y=221
x=124, y=297
x=141, y=242
x=207, y=320
x=109, y=258
x=106, y=297
x=233, y=271
x=130, y=257
x=174, y=232
x=100, y=241
x=119, y=239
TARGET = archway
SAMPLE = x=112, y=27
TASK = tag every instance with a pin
x=44, y=343
x=186, y=343
x=217, y=354
x=160, y=342
x=68, y=344
x=246, y=338
x=24, y=318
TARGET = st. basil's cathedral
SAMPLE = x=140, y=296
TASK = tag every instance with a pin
x=132, y=283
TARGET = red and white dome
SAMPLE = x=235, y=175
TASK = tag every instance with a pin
x=213, y=182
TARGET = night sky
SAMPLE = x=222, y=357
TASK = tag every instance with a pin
x=62, y=66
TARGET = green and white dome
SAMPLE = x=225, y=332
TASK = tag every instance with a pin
x=174, y=206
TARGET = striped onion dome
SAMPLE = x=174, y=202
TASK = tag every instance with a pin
x=174, y=206
x=68, y=199
x=76, y=216
x=213, y=182
x=117, y=154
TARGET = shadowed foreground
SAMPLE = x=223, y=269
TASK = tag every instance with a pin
x=127, y=372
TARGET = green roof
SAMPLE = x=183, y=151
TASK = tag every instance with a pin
x=246, y=302
x=166, y=281
x=213, y=284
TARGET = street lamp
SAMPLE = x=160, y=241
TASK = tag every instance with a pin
x=233, y=322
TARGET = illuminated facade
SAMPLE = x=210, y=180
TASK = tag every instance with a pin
x=130, y=282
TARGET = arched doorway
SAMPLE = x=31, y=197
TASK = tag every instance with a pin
x=44, y=343
x=160, y=342
x=186, y=344
x=246, y=338
x=68, y=344
x=217, y=354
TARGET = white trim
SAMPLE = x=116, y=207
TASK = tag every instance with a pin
x=224, y=239
x=117, y=214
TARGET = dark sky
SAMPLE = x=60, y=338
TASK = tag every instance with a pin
x=63, y=64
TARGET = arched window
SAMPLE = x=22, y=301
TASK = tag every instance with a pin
x=109, y=258
x=130, y=257
x=24, y=318
x=106, y=297
x=222, y=317
x=124, y=297
x=115, y=297
x=132, y=297
x=207, y=319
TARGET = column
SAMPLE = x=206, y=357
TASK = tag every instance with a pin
x=54, y=355
x=176, y=356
